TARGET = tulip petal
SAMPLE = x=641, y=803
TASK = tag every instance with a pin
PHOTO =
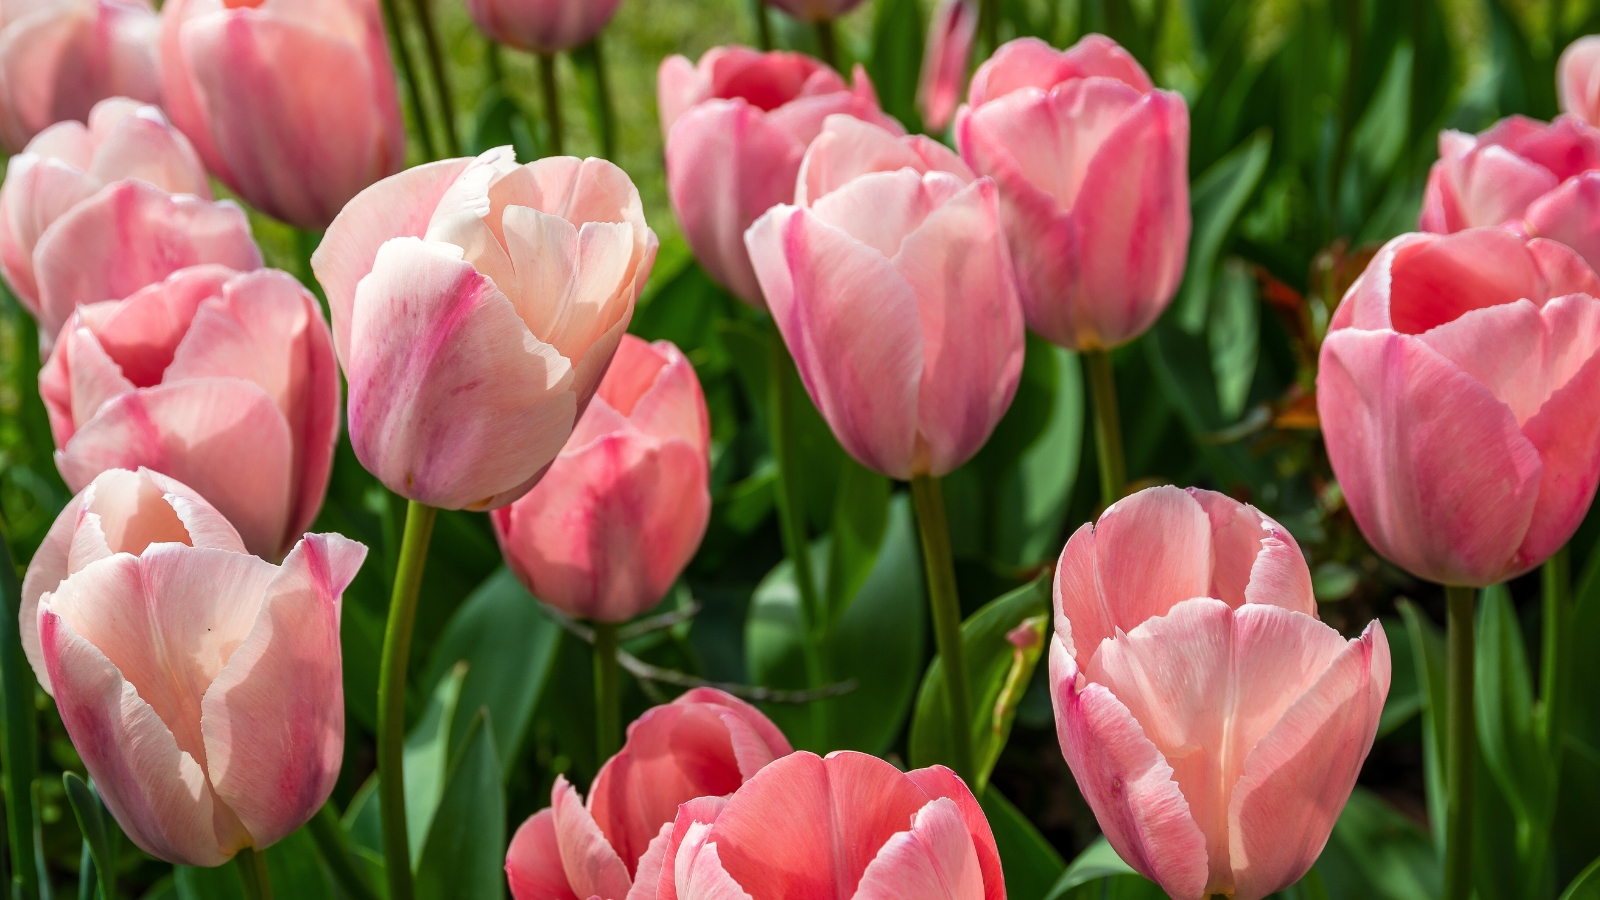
x=1578, y=79
x=37, y=191
x=593, y=868
x=938, y=781
x=1503, y=349
x=935, y=860
x=1494, y=185
x=136, y=141
x=533, y=862
x=848, y=148
x=672, y=404
x=647, y=873
x=1030, y=62
x=142, y=332
x=1254, y=560
x=882, y=209
x=1435, y=281
x=700, y=873
x=1152, y=550
x=49, y=567
x=95, y=379
x=692, y=817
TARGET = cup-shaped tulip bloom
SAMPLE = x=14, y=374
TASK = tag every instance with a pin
x=623, y=508
x=201, y=685
x=736, y=127
x=1215, y=726
x=542, y=26
x=704, y=744
x=70, y=162
x=58, y=58
x=1093, y=167
x=816, y=10
x=1578, y=79
x=292, y=103
x=225, y=381
x=891, y=285
x=944, y=61
x=476, y=304
x=1456, y=389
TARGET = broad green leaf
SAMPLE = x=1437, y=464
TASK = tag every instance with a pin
x=1233, y=332
x=1097, y=861
x=499, y=121
x=860, y=517
x=1217, y=197
x=165, y=889
x=1507, y=732
x=427, y=757
x=297, y=869
x=1405, y=697
x=99, y=830
x=1030, y=864
x=1381, y=134
x=1586, y=886
x=220, y=883
x=896, y=60
x=363, y=820
x=1428, y=656
x=464, y=855
x=1375, y=852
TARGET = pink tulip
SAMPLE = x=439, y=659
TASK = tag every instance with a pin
x=542, y=26
x=291, y=102
x=1578, y=79
x=224, y=380
x=815, y=10
x=891, y=284
x=476, y=304
x=58, y=58
x=1212, y=723
x=68, y=163
x=625, y=505
x=1456, y=391
x=704, y=744
x=736, y=128
x=944, y=61
x=1093, y=167
x=201, y=685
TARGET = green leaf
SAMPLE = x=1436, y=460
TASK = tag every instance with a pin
x=1428, y=656
x=1233, y=332
x=499, y=121
x=1028, y=861
x=1375, y=852
x=1507, y=732
x=464, y=855
x=1216, y=198
x=1405, y=696
x=1097, y=863
x=589, y=65
x=860, y=518
x=427, y=757
x=1586, y=886
x=896, y=61
x=99, y=830
x=220, y=883
x=297, y=869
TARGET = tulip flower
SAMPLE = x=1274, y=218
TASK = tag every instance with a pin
x=1578, y=79
x=1455, y=391
x=476, y=304
x=58, y=58
x=623, y=508
x=1093, y=169
x=736, y=127
x=944, y=61
x=69, y=162
x=223, y=380
x=815, y=10
x=542, y=26
x=704, y=744
x=201, y=685
x=296, y=141
x=1212, y=723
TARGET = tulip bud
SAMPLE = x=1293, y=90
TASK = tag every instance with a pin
x=476, y=304
x=201, y=685
x=1456, y=391
x=736, y=128
x=1093, y=168
x=623, y=508
x=1578, y=79
x=944, y=61
x=1215, y=727
x=892, y=287
x=223, y=380
x=296, y=141
x=542, y=26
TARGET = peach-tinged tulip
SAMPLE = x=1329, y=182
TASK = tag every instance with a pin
x=736, y=127
x=70, y=162
x=201, y=685
x=1093, y=167
x=1578, y=79
x=223, y=380
x=58, y=58
x=891, y=285
x=476, y=304
x=1456, y=391
x=623, y=508
x=291, y=102
x=816, y=10
x=1212, y=723
x=542, y=26
x=944, y=61
x=705, y=744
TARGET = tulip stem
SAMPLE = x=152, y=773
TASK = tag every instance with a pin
x=441, y=76
x=419, y=115
x=827, y=45
x=607, y=693
x=19, y=748
x=946, y=603
x=552, y=101
x=1107, y=426
x=392, y=697
x=253, y=870
x=603, y=113
x=1556, y=579
x=763, y=25
x=1461, y=739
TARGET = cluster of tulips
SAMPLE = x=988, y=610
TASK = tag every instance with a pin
x=188, y=627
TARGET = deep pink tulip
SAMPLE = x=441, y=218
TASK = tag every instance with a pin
x=1456, y=389
x=945, y=60
x=223, y=380
x=1093, y=167
x=623, y=508
x=1578, y=79
x=704, y=744
x=542, y=26
x=69, y=162
x=58, y=58
x=736, y=127
x=295, y=140
x=476, y=304
x=892, y=287
x=201, y=685
x=1212, y=723
x=815, y=10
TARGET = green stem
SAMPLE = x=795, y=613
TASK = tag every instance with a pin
x=1556, y=579
x=392, y=698
x=989, y=27
x=607, y=114
x=607, y=693
x=18, y=732
x=253, y=871
x=827, y=44
x=1461, y=739
x=335, y=850
x=391, y=18
x=441, y=76
x=552, y=100
x=758, y=8
x=1107, y=426
x=942, y=596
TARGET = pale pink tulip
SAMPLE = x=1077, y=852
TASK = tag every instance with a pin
x=704, y=744
x=476, y=304
x=815, y=10
x=58, y=58
x=736, y=127
x=1212, y=723
x=1578, y=79
x=623, y=508
x=291, y=102
x=1456, y=389
x=944, y=61
x=892, y=287
x=1093, y=167
x=224, y=380
x=69, y=162
x=201, y=685
x=542, y=26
